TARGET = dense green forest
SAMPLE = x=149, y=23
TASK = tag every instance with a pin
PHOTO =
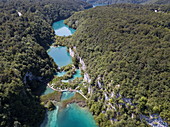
x=126, y=49
x=128, y=1
x=25, y=34
x=158, y=2
x=116, y=1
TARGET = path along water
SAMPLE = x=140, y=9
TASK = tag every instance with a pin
x=72, y=115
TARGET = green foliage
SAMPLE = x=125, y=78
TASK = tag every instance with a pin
x=25, y=64
x=67, y=67
x=55, y=96
x=77, y=98
x=61, y=41
x=158, y=2
x=128, y=1
x=126, y=48
x=50, y=106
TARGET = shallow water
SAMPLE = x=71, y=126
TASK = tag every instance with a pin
x=67, y=95
x=48, y=90
x=51, y=118
x=60, y=74
x=60, y=55
x=61, y=29
x=73, y=115
x=77, y=74
x=95, y=5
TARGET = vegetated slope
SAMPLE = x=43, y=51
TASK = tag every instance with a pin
x=127, y=52
x=116, y=1
x=158, y=2
x=25, y=34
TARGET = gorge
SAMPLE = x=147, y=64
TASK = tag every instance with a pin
x=72, y=115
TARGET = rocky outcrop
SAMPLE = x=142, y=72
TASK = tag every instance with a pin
x=106, y=97
x=87, y=77
x=154, y=120
x=83, y=67
x=19, y=13
x=72, y=54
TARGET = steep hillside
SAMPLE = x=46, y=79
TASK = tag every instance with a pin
x=128, y=1
x=116, y=1
x=158, y=2
x=25, y=34
x=126, y=49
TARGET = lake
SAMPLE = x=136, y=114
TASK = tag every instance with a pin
x=72, y=115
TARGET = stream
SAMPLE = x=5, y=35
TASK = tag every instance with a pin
x=72, y=115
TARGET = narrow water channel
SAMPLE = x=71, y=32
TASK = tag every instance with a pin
x=72, y=115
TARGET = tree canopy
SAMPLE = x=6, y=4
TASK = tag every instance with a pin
x=25, y=34
x=127, y=52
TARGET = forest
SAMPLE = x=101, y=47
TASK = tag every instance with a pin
x=25, y=34
x=126, y=49
x=128, y=1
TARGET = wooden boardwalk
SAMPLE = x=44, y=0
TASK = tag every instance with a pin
x=68, y=90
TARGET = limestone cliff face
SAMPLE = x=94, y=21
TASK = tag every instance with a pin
x=72, y=54
x=87, y=77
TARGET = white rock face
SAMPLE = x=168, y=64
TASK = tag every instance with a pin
x=72, y=54
x=19, y=13
x=99, y=84
x=117, y=86
x=89, y=90
x=154, y=118
x=83, y=64
x=106, y=97
x=87, y=78
x=74, y=48
x=112, y=94
x=132, y=115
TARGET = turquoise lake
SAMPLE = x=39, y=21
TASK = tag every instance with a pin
x=60, y=55
x=48, y=90
x=61, y=29
x=60, y=74
x=67, y=95
x=72, y=115
x=95, y=5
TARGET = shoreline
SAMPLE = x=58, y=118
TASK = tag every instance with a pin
x=67, y=90
x=78, y=98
